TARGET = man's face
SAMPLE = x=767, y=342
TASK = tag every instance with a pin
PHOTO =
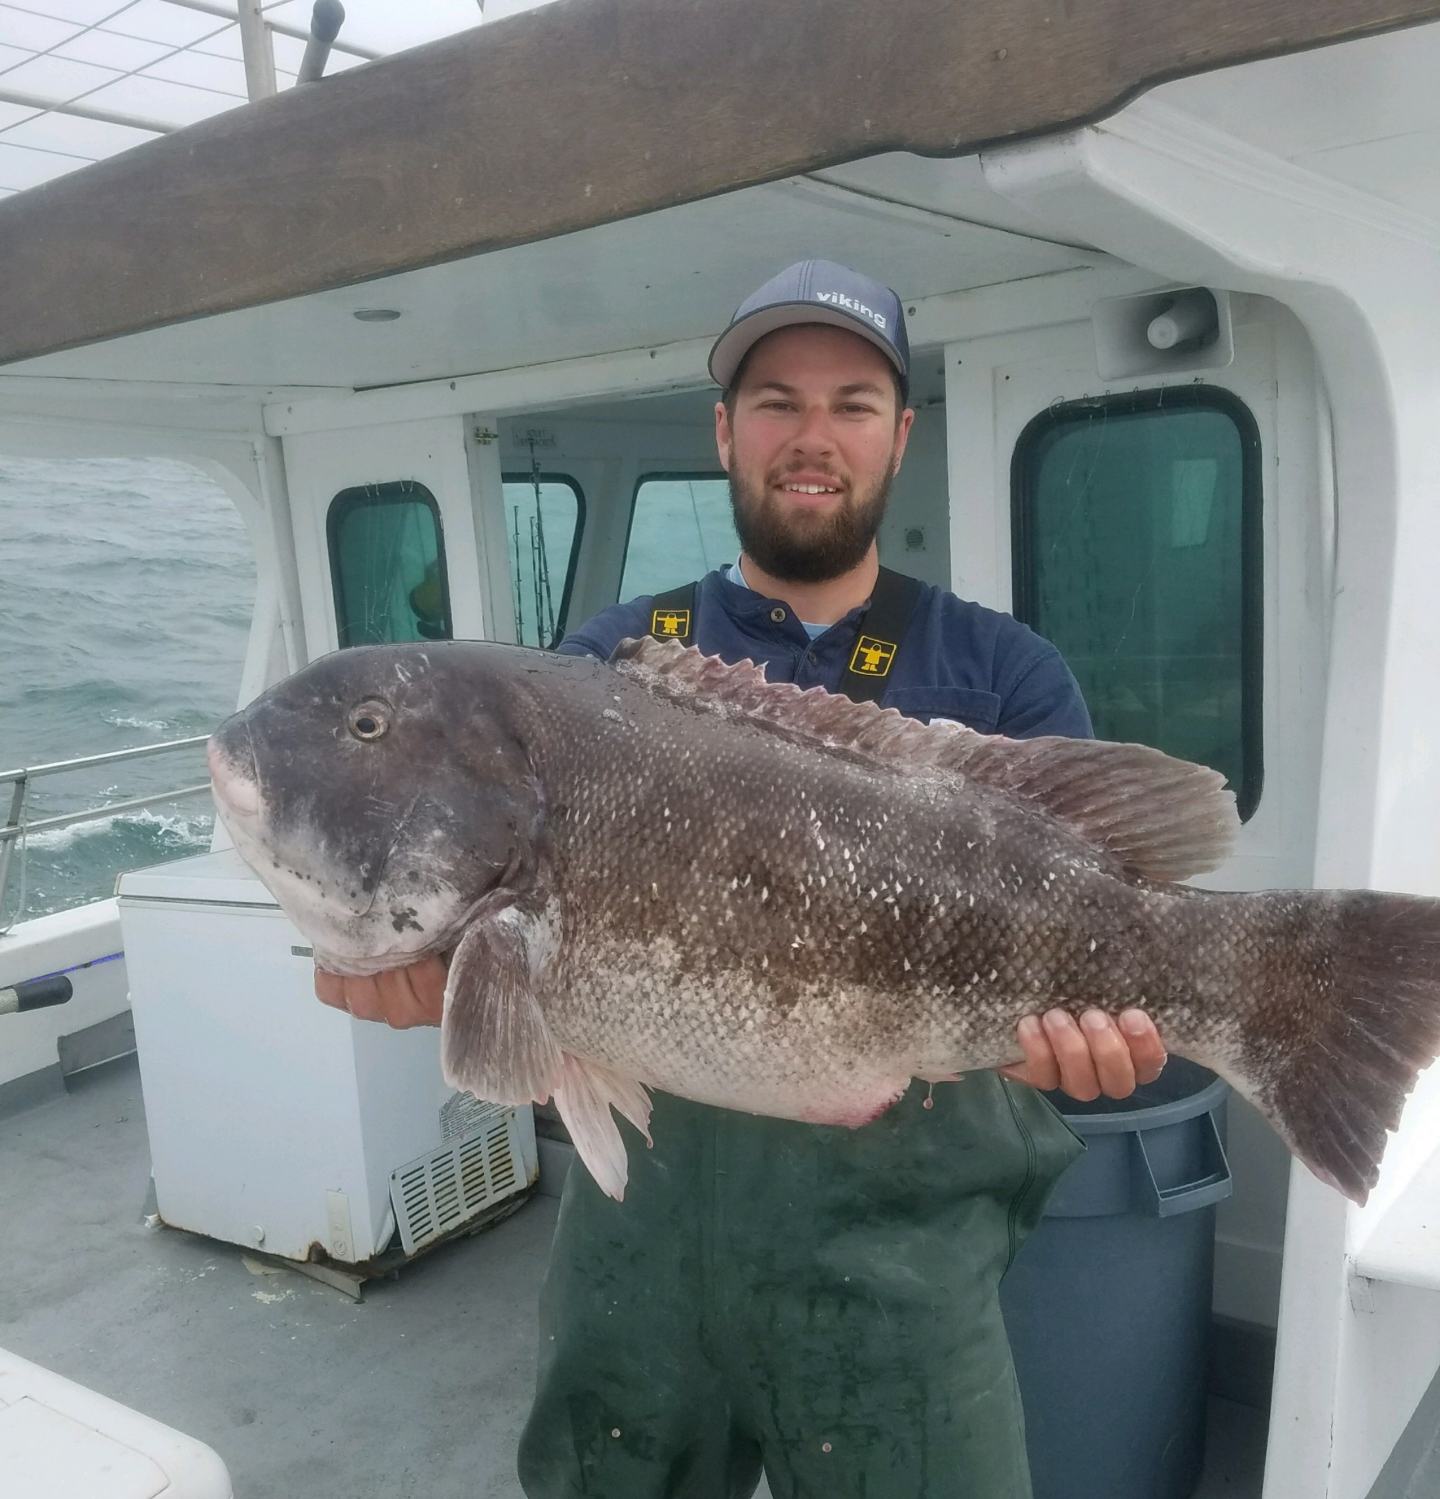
x=811, y=448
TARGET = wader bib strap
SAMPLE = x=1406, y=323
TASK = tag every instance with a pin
x=882, y=630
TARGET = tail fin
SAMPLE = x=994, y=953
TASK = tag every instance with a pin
x=1346, y=1026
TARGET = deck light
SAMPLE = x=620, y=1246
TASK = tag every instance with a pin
x=376, y=314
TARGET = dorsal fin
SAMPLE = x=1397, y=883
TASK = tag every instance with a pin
x=1164, y=819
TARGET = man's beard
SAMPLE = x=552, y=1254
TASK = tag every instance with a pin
x=805, y=546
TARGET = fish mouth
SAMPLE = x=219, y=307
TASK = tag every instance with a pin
x=236, y=791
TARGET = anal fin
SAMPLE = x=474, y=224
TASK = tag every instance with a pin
x=585, y=1093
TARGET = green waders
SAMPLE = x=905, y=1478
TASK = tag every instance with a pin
x=816, y=1300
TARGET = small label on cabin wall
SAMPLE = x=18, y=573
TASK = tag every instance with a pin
x=463, y=1114
x=301, y=952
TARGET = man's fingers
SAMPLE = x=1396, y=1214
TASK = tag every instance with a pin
x=1114, y=1070
x=1094, y=1056
x=330, y=989
x=428, y=979
x=1147, y=1050
x=397, y=999
x=363, y=999
x=401, y=997
x=1072, y=1052
x=1039, y=1068
x=414, y=995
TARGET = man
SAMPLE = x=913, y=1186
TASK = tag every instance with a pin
x=816, y=1300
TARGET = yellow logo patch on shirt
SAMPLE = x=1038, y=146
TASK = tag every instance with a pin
x=670, y=622
x=872, y=657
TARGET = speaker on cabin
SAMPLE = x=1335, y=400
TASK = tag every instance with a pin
x=1164, y=332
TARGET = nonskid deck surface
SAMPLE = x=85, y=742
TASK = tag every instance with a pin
x=419, y=1390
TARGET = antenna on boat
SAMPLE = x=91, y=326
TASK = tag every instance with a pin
x=325, y=22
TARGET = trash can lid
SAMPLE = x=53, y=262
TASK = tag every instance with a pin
x=1184, y=1090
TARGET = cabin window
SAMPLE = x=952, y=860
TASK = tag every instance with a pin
x=680, y=529
x=1137, y=529
x=387, y=559
x=544, y=519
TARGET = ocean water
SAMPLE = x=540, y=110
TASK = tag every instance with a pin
x=126, y=588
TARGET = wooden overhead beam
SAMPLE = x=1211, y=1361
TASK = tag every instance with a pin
x=578, y=113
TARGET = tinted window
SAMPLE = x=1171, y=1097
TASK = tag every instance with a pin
x=1137, y=523
x=544, y=517
x=680, y=528
x=387, y=559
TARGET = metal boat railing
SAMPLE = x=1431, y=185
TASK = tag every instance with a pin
x=17, y=829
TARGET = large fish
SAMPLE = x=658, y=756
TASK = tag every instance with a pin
x=665, y=872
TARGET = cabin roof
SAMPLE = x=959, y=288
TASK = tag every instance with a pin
x=576, y=116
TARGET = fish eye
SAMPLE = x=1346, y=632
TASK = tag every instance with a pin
x=369, y=721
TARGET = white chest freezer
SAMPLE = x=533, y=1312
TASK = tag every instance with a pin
x=275, y=1121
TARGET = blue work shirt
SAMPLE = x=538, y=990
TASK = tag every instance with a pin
x=957, y=660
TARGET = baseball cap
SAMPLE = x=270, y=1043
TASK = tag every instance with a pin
x=815, y=291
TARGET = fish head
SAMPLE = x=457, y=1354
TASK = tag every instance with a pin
x=380, y=796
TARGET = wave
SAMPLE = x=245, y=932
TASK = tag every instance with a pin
x=153, y=725
x=169, y=837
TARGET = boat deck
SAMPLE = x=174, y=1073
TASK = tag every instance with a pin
x=421, y=1389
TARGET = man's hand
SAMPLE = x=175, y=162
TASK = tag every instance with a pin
x=1095, y=1056
x=401, y=997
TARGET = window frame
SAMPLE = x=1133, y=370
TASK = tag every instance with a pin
x=1024, y=472
x=659, y=476
x=359, y=497
x=562, y=618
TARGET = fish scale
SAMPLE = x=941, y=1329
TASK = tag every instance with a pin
x=665, y=872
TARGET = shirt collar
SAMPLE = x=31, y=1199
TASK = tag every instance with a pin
x=742, y=602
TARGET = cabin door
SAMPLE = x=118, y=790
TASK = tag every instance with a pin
x=1172, y=536
x=387, y=542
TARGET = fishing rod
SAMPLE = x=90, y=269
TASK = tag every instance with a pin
x=543, y=572
x=36, y=994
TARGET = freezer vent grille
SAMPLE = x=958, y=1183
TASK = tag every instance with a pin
x=442, y=1190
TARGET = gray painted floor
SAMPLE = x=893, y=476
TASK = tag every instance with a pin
x=420, y=1390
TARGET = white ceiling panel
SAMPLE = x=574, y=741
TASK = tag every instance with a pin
x=21, y=167
x=1365, y=90
x=84, y=12
x=56, y=77
x=22, y=27
x=198, y=70
x=164, y=61
x=159, y=21
x=392, y=25
x=55, y=132
x=1404, y=169
x=954, y=188
x=143, y=95
x=111, y=50
x=226, y=43
x=658, y=279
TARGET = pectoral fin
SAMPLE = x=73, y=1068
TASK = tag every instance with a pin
x=495, y=1042
x=494, y=1038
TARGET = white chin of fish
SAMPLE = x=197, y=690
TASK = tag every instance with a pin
x=346, y=941
x=346, y=945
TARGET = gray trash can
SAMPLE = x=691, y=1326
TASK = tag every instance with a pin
x=1108, y=1304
